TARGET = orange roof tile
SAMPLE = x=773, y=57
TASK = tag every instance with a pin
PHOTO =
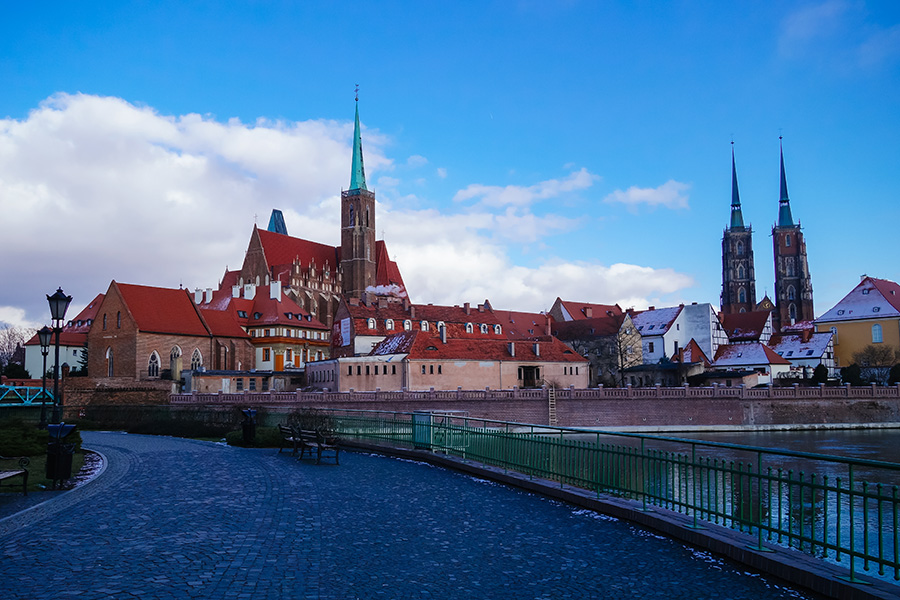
x=162, y=310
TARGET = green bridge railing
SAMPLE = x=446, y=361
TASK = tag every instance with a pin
x=838, y=509
x=27, y=396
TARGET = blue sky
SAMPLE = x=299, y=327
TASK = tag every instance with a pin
x=518, y=150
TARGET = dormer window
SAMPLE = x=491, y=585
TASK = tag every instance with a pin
x=865, y=292
x=407, y=325
x=809, y=352
x=389, y=324
x=651, y=328
x=484, y=328
x=497, y=330
x=469, y=328
x=257, y=315
x=440, y=325
x=242, y=314
x=371, y=323
x=876, y=309
x=289, y=316
x=790, y=353
x=423, y=325
x=840, y=312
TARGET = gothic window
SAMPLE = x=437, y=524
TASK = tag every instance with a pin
x=196, y=360
x=792, y=311
x=367, y=216
x=877, y=337
x=792, y=293
x=104, y=321
x=119, y=320
x=109, y=362
x=740, y=248
x=351, y=216
x=789, y=268
x=742, y=295
x=787, y=241
x=153, y=365
x=743, y=309
x=740, y=273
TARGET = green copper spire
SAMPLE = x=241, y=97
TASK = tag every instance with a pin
x=737, y=218
x=784, y=204
x=357, y=170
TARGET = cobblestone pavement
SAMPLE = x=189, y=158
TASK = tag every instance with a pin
x=171, y=518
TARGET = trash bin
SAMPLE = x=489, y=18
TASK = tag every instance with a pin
x=249, y=426
x=59, y=453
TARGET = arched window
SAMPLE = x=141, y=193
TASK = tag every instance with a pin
x=792, y=312
x=484, y=328
x=469, y=328
x=152, y=365
x=109, y=362
x=407, y=325
x=742, y=295
x=371, y=323
x=740, y=273
x=497, y=330
x=351, y=216
x=119, y=320
x=877, y=337
x=787, y=240
x=389, y=324
x=792, y=293
x=367, y=216
x=440, y=325
x=424, y=325
x=740, y=248
x=196, y=360
x=104, y=321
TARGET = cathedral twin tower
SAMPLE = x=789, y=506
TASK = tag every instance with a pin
x=793, y=287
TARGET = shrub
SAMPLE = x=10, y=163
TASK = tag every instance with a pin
x=266, y=437
x=18, y=438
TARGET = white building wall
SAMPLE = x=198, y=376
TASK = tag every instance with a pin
x=34, y=360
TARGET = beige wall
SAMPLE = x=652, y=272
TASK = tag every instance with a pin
x=854, y=336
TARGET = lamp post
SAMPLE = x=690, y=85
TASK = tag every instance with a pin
x=44, y=337
x=59, y=304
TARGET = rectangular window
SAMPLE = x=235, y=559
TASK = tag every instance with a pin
x=439, y=369
x=576, y=370
x=358, y=370
x=367, y=369
x=350, y=370
x=267, y=354
x=423, y=369
x=650, y=347
x=240, y=384
x=431, y=370
x=393, y=369
x=265, y=384
x=253, y=384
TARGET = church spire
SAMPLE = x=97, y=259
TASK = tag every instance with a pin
x=784, y=204
x=737, y=217
x=357, y=170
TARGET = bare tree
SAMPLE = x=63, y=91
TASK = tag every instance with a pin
x=11, y=338
x=875, y=361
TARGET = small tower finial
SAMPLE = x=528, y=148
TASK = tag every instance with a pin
x=356, y=92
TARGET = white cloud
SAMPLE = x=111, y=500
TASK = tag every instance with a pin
x=94, y=189
x=416, y=161
x=515, y=195
x=442, y=172
x=671, y=194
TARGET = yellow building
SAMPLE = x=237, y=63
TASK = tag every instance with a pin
x=869, y=314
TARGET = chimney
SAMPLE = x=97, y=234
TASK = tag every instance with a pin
x=537, y=349
x=249, y=291
x=652, y=308
x=208, y=297
x=511, y=346
x=588, y=312
x=382, y=302
x=198, y=296
x=481, y=308
x=275, y=290
x=412, y=311
x=443, y=334
x=468, y=308
x=549, y=330
x=235, y=291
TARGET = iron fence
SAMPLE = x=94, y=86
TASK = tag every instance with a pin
x=838, y=509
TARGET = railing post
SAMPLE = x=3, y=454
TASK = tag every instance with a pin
x=759, y=530
x=852, y=578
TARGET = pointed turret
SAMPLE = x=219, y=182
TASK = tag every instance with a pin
x=737, y=217
x=784, y=204
x=357, y=170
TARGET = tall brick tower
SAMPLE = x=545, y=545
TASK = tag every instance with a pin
x=738, y=274
x=357, y=226
x=793, y=285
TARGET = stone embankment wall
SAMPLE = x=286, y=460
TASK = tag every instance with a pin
x=602, y=407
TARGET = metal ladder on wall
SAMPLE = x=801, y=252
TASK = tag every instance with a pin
x=551, y=405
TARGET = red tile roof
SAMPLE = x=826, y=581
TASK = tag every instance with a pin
x=588, y=328
x=74, y=334
x=692, y=353
x=426, y=345
x=747, y=326
x=580, y=310
x=283, y=250
x=162, y=310
x=223, y=323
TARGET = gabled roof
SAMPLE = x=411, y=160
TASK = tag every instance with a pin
x=744, y=355
x=800, y=346
x=656, y=321
x=691, y=353
x=871, y=299
x=223, y=323
x=426, y=345
x=387, y=273
x=162, y=310
x=588, y=310
x=286, y=312
x=76, y=329
x=747, y=326
x=607, y=325
x=283, y=250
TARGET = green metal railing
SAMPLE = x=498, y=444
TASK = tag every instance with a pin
x=15, y=396
x=841, y=510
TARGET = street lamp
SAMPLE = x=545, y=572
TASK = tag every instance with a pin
x=59, y=304
x=44, y=337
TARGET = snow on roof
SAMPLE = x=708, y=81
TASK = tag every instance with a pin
x=871, y=299
x=656, y=321
x=800, y=346
x=744, y=355
x=588, y=310
x=746, y=327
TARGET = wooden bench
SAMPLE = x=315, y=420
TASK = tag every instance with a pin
x=288, y=436
x=22, y=471
x=313, y=440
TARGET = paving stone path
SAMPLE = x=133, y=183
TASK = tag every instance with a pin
x=175, y=519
